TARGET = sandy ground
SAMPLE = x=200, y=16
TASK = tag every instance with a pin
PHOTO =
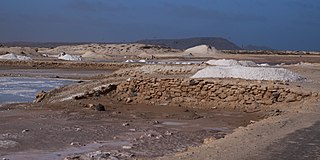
x=55, y=131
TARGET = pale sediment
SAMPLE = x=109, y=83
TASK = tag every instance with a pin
x=64, y=64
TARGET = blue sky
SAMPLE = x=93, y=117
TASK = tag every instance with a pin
x=280, y=24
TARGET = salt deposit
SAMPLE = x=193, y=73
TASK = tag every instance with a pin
x=135, y=61
x=250, y=73
x=231, y=62
x=202, y=49
x=263, y=65
x=68, y=57
x=130, y=61
x=11, y=56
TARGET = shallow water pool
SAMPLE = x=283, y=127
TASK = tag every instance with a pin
x=23, y=89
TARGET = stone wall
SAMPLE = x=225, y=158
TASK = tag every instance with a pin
x=207, y=92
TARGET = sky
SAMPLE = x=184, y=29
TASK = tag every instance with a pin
x=279, y=24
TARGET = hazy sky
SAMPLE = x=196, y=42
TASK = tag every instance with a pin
x=280, y=24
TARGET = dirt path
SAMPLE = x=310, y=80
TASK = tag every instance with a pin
x=253, y=141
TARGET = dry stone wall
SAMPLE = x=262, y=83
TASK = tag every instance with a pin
x=207, y=92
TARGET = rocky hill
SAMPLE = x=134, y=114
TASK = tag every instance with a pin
x=217, y=42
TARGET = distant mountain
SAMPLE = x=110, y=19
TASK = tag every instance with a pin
x=257, y=48
x=217, y=42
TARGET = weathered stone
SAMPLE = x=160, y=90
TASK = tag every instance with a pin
x=177, y=100
x=185, y=83
x=242, y=90
x=281, y=98
x=258, y=97
x=314, y=94
x=275, y=94
x=162, y=89
x=203, y=93
x=184, y=94
x=147, y=97
x=40, y=96
x=205, y=88
x=255, y=92
x=263, y=88
x=214, y=98
x=306, y=94
x=254, y=107
x=268, y=102
x=177, y=94
x=206, y=92
x=234, y=87
x=80, y=96
x=291, y=98
x=193, y=82
x=242, y=101
x=267, y=95
x=222, y=95
x=91, y=106
x=100, y=107
x=246, y=97
x=184, y=89
x=299, y=98
x=231, y=98
x=129, y=100
x=249, y=101
x=222, y=90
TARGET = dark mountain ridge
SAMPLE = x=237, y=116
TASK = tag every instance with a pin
x=217, y=42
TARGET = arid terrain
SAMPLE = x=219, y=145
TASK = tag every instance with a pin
x=136, y=101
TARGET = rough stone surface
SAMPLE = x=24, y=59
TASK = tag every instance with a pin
x=100, y=107
x=40, y=96
x=206, y=92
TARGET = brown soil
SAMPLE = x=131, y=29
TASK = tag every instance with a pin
x=89, y=74
x=57, y=131
x=58, y=64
